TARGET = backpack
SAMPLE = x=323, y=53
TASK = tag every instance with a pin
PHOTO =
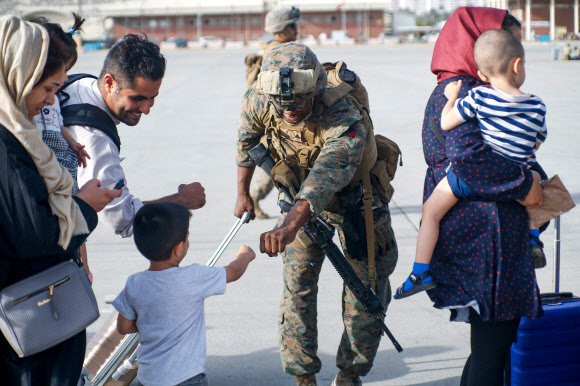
x=85, y=114
x=254, y=65
x=344, y=82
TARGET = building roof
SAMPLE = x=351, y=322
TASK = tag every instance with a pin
x=188, y=7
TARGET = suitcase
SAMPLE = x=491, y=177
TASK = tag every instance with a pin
x=547, y=349
x=105, y=353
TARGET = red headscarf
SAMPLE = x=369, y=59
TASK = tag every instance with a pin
x=453, y=52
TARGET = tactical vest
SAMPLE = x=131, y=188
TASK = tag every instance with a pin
x=389, y=154
x=300, y=145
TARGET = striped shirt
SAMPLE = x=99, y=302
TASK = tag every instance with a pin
x=510, y=125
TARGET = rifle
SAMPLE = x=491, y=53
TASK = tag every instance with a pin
x=321, y=233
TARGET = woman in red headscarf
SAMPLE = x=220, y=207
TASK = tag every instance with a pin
x=482, y=263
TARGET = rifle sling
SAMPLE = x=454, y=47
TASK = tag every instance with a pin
x=370, y=232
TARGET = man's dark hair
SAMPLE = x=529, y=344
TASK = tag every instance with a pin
x=509, y=21
x=159, y=227
x=131, y=57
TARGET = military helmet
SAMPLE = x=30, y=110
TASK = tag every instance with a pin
x=291, y=70
x=277, y=19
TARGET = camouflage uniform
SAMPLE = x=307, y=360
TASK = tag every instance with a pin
x=325, y=186
x=262, y=184
x=276, y=20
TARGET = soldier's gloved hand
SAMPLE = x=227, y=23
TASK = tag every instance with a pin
x=382, y=238
x=354, y=233
x=282, y=174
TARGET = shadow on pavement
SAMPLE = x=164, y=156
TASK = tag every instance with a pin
x=442, y=382
x=263, y=368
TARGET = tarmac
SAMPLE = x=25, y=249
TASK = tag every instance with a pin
x=190, y=135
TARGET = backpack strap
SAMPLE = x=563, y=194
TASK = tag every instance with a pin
x=369, y=223
x=71, y=79
x=333, y=94
x=85, y=114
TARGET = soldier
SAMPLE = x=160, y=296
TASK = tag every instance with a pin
x=282, y=22
x=318, y=146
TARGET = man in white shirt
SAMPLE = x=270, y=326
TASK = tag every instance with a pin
x=126, y=88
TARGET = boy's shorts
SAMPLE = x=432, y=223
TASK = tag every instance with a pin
x=458, y=187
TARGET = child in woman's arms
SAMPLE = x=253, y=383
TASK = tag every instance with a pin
x=512, y=123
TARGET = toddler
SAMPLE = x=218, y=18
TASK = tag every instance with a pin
x=512, y=123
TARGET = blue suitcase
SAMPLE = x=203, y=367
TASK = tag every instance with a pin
x=547, y=349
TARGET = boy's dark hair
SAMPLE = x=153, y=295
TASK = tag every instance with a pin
x=494, y=51
x=159, y=227
x=509, y=21
x=131, y=57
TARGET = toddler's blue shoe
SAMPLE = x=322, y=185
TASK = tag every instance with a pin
x=418, y=283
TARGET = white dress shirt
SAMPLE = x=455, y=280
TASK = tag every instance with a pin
x=105, y=162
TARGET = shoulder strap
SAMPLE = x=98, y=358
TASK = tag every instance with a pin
x=85, y=114
x=71, y=79
x=437, y=132
x=333, y=94
x=76, y=77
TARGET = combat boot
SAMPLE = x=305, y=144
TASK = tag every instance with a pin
x=258, y=211
x=346, y=378
x=305, y=380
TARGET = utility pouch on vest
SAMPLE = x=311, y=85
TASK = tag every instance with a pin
x=282, y=174
x=388, y=157
x=303, y=239
x=354, y=232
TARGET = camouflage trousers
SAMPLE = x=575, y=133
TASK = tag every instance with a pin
x=298, y=310
x=261, y=185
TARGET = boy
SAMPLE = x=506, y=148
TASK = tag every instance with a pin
x=165, y=303
x=512, y=123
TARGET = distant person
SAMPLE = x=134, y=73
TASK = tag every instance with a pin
x=41, y=223
x=165, y=304
x=283, y=23
x=566, y=51
x=126, y=89
x=482, y=262
x=575, y=53
x=68, y=152
x=512, y=123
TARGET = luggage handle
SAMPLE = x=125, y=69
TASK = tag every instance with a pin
x=557, y=295
x=556, y=280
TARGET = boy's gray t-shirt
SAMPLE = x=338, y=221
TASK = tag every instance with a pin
x=168, y=306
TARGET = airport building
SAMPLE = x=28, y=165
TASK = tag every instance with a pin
x=242, y=21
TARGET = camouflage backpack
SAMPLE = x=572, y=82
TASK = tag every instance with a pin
x=343, y=82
